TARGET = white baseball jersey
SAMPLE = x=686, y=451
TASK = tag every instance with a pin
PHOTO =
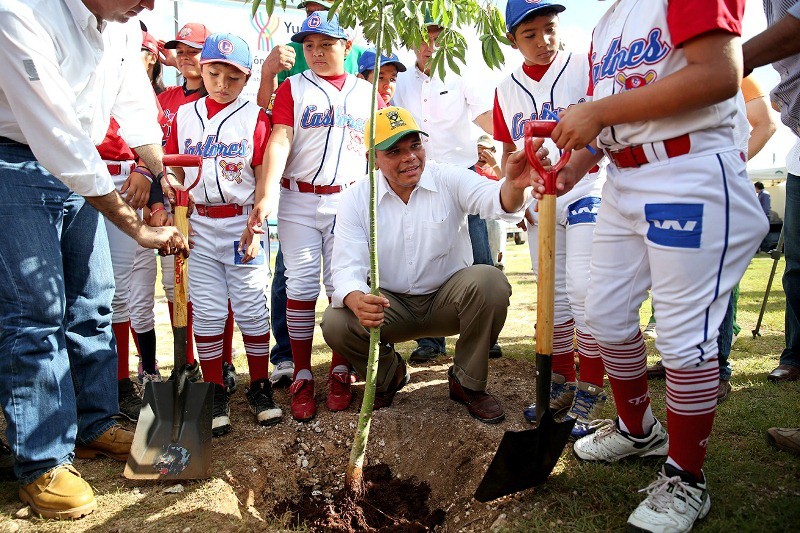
x=225, y=142
x=631, y=47
x=328, y=138
x=522, y=99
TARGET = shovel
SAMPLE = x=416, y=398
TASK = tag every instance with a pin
x=173, y=434
x=525, y=459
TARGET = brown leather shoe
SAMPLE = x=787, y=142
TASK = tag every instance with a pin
x=724, y=390
x=784, y=373
x=656, y=371
x=784, y=439
x=115, y=443
x=399, y=380
x=480, y=404
x=60, y=493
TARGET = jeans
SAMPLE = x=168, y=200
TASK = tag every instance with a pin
x=58, y=364
x=791, y=276
x=281, y=350
x=724, y=341
x=481, y=255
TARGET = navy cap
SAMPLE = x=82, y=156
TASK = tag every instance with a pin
x=227, y=48
x=367, y=61
x=517, y=10
x=318, y=23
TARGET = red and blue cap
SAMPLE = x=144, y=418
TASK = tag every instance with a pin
x=518, y=10
x=367, y=61
x=227, y=48
x=318, y=23
x=192, y=34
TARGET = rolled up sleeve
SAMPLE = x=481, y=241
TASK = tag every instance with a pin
x=478, y=196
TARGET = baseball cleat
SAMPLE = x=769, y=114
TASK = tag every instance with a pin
x=259, y=397
x=586, y=408
x=674, y=503
x=562, y=393
x=608, y=443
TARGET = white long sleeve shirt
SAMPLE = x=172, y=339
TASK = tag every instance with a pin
x=63, y=78
x=420, y=244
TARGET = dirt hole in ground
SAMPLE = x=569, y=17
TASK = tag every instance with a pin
x=389, y=503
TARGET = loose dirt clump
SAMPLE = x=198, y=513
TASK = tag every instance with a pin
x=388, y=504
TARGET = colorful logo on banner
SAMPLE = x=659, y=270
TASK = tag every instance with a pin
x=266, y=29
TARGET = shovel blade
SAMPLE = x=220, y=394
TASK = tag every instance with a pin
x=525, y=459
x=164, y=448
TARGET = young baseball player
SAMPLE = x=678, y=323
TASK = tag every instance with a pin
x=679, y=214
x=316, y=150
x=387, y=77
x=549, y=81
x=230, y=133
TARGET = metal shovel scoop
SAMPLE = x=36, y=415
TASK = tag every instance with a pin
x=173, y=434
x=525, y=459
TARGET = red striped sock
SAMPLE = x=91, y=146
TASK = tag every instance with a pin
x=209, y=349
x=227, y=340
x=257, y=349
x=120, y=330
x=564, y=350
x=592, y=369
x=300, y=322
x=626, y=364
x=691, y=405
x=189, y=336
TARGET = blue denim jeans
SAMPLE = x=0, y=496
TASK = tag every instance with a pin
x=281, y=349
x=724, y=341
x=57, y=359
x=791, y=276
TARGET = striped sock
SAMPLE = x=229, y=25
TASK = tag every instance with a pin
x=691, y=405
x=564, y=350
x=300, y=322
x=227, y=339
x=120, y=330
x=257, y=349
x=209, y=349
x=592, y=369
x=626, y=364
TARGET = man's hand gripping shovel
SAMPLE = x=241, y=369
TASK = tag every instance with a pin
x=173, y=435
x=525, y=459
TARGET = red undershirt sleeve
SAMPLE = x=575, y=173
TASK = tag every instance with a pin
x=260, y=138
x=171, y=147
x=501, y=132
x=283, y=108
x=687, y=19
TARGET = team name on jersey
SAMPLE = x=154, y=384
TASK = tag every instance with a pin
x=646, y=51
x=211, y=148
x=548, y=113
x=330, y=117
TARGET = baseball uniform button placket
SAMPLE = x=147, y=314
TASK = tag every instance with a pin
x=636, y=156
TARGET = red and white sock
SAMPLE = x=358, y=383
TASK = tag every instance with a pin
x=592, y=369
x=691, y=405
x=626, y=365
x=300, y=322
x=209, y=350
x=120, y=330
x=189, y=336
x=257, y=349
x=227, y=340
x=564, y=350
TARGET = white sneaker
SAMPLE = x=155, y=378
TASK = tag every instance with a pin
x=610, y=444
x=282, y=375
x=672, y=504
x=650, y=331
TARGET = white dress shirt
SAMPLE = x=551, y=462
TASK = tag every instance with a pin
x=62, y=80
x=420, y=244
x=445, y=111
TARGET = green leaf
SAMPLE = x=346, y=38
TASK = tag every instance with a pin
x=254, y=9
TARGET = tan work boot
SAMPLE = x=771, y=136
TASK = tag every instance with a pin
x=60, y=493
x=784, y=439
x=115, y=443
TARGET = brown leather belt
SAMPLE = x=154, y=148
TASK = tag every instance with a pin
x=219, y=211
x=302, y=186
x=635, y=156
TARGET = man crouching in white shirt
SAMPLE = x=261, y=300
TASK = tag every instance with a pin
x=429, y=286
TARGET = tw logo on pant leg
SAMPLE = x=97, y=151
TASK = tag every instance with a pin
x=675, y=225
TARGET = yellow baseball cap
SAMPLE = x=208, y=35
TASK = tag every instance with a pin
x=391, y=125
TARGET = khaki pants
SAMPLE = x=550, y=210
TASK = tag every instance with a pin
x=472, y=303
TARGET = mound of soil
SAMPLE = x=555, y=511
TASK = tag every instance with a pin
x=388, y=504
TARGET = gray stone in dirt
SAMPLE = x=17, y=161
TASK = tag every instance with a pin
x=25, y=512
x=175, y=489
x=499, y=523
x=9, y=527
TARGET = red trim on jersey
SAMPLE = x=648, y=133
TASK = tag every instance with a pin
x=501, y=132
x=536, y=72
x=590, y=88
x=687, y=19
x=283, y=106
x=337, y=81
x=213, y=107
x=113, y=148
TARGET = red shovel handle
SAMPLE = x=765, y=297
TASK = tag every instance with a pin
x=537, y=129
x=186, y=161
